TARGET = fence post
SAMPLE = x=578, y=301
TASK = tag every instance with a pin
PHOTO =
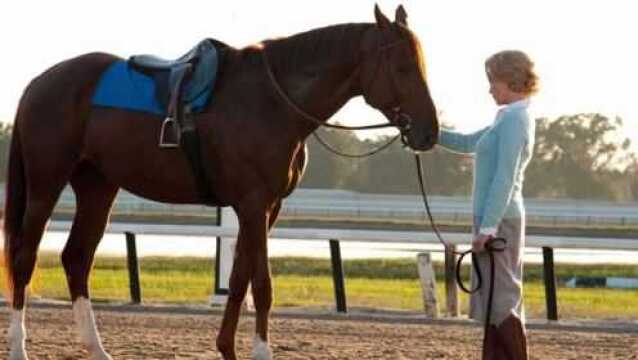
x=550, y=283
x=219, y=293
x=133, y=268
x=451, y=289
x=428, y=284
x=337, y=276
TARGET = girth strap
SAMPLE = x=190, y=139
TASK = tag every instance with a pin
x=189, y=141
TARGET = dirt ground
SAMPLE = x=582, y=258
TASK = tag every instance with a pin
x=174, y=335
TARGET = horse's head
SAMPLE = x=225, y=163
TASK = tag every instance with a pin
x=393, y=80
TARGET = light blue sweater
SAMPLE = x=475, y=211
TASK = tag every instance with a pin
x=502, y=152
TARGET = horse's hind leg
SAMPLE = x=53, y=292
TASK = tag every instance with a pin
x=24, y=256
x=94, y=197
x=22, y=247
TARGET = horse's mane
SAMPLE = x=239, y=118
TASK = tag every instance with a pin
x=336, y=44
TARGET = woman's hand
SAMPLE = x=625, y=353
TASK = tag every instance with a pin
x=478, y=244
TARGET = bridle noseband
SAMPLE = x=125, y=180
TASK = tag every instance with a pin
x=403, y=122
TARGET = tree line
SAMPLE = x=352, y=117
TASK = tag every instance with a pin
x=581, y=156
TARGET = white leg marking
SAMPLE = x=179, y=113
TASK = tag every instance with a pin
x=261, y=350
x=87, y=331
x=16, y=336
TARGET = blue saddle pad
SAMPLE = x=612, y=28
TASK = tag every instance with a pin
x=121, y=86
x=125, y=88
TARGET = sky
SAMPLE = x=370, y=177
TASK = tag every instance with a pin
x=585, y=51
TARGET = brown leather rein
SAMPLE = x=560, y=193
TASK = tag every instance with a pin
x=397, y=119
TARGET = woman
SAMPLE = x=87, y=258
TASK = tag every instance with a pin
x=502, y=152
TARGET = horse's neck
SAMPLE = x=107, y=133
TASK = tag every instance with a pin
x=322, y=84
x=326, y=91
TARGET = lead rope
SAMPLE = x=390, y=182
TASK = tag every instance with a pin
x=490, y=247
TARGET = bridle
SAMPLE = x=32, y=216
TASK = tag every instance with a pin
x=400, y=120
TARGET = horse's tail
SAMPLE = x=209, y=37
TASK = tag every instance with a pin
x=14, y=206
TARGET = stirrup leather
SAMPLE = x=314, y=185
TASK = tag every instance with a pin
x=175, y=108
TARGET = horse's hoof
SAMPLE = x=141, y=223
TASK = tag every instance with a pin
x=261, y=350
x=98, y=353
x=18, y=354
x=101, y=356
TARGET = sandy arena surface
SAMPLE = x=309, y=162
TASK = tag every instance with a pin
x=175, y=334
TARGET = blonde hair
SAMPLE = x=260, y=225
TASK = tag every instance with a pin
x=514, y=68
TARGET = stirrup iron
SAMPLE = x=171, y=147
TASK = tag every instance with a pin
x=173, y=141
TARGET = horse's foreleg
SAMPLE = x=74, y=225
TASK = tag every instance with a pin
x=250, y=253
x=238, y=285
x=94, y=199
x=262, y=291
x=274, y=214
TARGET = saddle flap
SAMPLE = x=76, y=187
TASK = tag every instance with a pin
x=204, y=72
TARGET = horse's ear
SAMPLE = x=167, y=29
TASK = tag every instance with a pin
x=382, y=21
x=400, y=16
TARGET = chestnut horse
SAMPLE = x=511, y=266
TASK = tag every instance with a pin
x=252, y=143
